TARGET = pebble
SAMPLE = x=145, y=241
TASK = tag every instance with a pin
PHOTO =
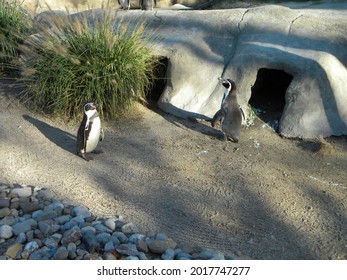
x=34, y=226
x=6, y=231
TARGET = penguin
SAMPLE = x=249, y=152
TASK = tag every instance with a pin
x=125, y=4
x=147, y=4
x=90, y=132
x=230, y=113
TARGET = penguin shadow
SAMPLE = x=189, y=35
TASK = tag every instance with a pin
x=61, y=138
x=193, y=121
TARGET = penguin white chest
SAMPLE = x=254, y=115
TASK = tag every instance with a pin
x=93, y=136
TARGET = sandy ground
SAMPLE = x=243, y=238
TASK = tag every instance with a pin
x=267, y=197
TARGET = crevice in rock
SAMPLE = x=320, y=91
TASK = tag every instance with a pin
x=291, y=24
x=241, y=20
x=159, y=82
x=268, y=95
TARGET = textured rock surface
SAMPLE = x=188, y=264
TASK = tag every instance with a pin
x=308, y=44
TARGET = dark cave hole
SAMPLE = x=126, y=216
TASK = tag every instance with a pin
x=268, y=95
x=159, y=83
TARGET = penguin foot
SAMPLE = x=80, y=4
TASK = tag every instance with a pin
x=82, y=155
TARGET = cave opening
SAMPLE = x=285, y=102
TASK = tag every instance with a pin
x=268, y=95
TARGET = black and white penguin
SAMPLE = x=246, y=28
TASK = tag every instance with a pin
x=125, y=4
x=230, y=113
x=90, y=132
x=147, y=4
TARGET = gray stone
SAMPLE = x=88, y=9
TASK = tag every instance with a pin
x=41, y=215
x=62, y=219
x=183, y=256
x=31, y=246
x=103, y=238
x=4, y=203
x=22, y=191
x=61, y=253
x=90, y=241
x=6, y=231
x=50, y=242
x=161, y=236
x=4, y=212
x=110, y=223
x=142, y=256
x=141, y=245
x=45, y=228
x=121, y=236
x=208, y=254
x=43, y=253
x=102, y=228
x=109, y=246
x=21, y=238
x=109, y=256
x=81, y=211
x=160, y=246
x=28, y=207
x=136, y=236
x=22, y=227
x=127, y=249
x=130, y=228
x=88, y=228
x=169, y=254
x=71, y=235
x=8, y=220
x=57, y=206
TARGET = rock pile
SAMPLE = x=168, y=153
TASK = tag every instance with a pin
x=35, y=226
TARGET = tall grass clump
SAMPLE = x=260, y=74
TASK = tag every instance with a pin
x=15, y=26
x=96, y=57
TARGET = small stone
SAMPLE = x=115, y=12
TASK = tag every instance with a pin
x=22, y=191
x=8, y=220
x=121, y=236
x=127, y=249
x=61, y=254
x=208, y=254
x=169, y=254
x=4, y=203
x=13, y=250
x=141, y=245
x=71, y=235
x=38, y=234
x=71, y=248
x=21, y=227
x=45, y=194
x=56, y=206
x=28, y=207
x=132, y=258
x=43, y=253
x=6, y=231
x=4, y=212
x=81, y=211
x=160, y=246
x=21, y=238
x=102, y=228
x=142, y=256
x=89, y=239
x=103, y=238
x=31, y=246
x=45, y=228
x=41, y=215
x=161, y=236
x=88, y=228
x=136, y=236
x=183, y=256
x=51, y=243
x=62, y=219
x=130, y=228
x=109, y=256
x=110, y=223
x=109, y=246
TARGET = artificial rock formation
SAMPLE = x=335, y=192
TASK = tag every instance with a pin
x=308, y=44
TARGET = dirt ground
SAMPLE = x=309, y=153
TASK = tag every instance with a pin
x=267, y=197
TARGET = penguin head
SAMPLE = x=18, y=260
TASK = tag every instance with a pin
x=228, y=84
x=90, y=109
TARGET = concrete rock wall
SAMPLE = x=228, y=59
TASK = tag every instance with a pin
x=309, y=44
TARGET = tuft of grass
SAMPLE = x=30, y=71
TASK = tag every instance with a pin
x=96, y=57
x=15, y=26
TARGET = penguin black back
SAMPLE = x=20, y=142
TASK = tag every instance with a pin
x=230, y=114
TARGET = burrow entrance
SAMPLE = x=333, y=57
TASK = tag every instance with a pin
x=268, y=95
x=159, y=83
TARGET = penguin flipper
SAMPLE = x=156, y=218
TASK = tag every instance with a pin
x=217, y=117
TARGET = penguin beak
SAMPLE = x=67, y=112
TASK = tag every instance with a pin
x=90, y=106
